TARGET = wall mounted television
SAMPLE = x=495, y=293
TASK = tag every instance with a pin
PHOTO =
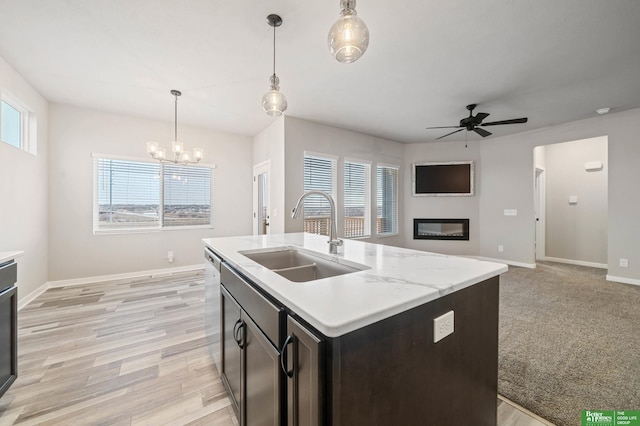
x=454, y=178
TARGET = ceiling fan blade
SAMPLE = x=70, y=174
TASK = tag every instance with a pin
x=514, y=121
x=456, y=131
x=481, y=116
x=482, y=132
x=444, y=127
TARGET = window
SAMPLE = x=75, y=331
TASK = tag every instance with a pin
x=357, y=205
x=11, y=125
x=137, y=195
x=18, y=125
x=320, y=175
x=387, y=199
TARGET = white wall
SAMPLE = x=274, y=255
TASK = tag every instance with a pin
x=507, y=182
x=268, y=145
x=302, y=135
x=23, y=190
x=442, y=207
x=76, y=133
x=576, y=232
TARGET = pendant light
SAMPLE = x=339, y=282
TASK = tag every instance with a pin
x=179, y=154
x=274, y=102
x=349, y=36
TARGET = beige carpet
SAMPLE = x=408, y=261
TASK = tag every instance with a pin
x=569, y=341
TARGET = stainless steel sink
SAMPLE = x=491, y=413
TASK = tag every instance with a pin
x=300, y=266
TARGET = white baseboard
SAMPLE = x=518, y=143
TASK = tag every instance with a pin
x=576, y=262
x=623, y=280
x=102, y=278
x=508, y=262
x=31, y=296
x=126, y=275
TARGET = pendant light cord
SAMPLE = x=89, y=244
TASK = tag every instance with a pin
x=274, y=50
x=176, y=119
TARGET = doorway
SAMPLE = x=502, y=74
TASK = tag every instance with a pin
x=571, y=202
x=261, y=198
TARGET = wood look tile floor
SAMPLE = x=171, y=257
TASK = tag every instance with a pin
x=126, y=352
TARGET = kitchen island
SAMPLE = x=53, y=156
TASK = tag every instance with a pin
x=357, y=347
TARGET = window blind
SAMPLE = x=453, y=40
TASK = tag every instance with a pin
x=387, y=199
x=320, y=175
x=357, y=210
x=187, y=196
x=128, y=194
x=134, y=195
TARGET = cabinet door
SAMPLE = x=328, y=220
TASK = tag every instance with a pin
x=231, y=337
x=305, y=385
x=262, y=398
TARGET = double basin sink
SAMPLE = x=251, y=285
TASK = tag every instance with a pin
x=299, y=265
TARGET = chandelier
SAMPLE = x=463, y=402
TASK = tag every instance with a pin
x=180, y=156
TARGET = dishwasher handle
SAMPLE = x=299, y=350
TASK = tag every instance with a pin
x=212, y=258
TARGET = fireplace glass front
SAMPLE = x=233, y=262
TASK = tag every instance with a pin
x=441, y=229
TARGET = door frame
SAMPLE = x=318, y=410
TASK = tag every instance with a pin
x=258, y=169
x=540, y=197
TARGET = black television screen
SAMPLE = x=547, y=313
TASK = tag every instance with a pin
x=453, y=178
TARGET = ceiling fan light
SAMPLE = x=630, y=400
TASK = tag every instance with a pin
x=348, y=37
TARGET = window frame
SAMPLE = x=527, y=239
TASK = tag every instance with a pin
x=368, y=197
x=28, y=128
x=161, y=227
x=397, y=200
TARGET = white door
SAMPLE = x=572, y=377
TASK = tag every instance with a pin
x=539, y=201
x=261, y=198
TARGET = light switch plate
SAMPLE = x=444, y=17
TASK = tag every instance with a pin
x=573, y=199
x=510, y=212
x=442, y=326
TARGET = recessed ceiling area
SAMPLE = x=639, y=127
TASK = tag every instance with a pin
x=550, y=61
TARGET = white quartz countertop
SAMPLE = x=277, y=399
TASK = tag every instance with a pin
x=9, y=255
x=397, y=279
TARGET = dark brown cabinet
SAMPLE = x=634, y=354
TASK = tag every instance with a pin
x=8, y=326
x=231, y=352
x=280, y=370
x=250, y=360
x=305, y=384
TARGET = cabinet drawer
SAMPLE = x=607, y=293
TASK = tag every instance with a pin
x=264, y=313
x=8, y=275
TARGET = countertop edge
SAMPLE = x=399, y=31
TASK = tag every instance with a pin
x=323, y=322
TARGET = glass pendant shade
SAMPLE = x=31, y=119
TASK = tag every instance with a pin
x=274, y=102
x=349, y=36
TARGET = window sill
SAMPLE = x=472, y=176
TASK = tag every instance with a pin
x=148, y=230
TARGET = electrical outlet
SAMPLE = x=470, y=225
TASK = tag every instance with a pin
x=170, y=257
x=500, y=249
x=624, y=263
x=442, y=326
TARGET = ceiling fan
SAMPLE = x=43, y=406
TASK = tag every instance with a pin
x=472, y=122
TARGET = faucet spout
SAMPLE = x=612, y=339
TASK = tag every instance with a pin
x=334, y=241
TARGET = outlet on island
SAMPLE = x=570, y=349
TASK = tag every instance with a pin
x=442, y=326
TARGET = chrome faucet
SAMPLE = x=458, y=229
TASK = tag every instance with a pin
x=334, y=241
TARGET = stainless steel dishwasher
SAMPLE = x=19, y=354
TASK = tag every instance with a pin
x=212, y=304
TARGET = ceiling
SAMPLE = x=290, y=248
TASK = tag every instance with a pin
x=552, y=61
